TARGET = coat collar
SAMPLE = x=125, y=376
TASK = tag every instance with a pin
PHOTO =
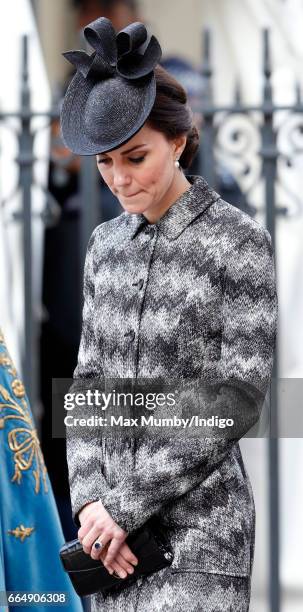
x=185, y=209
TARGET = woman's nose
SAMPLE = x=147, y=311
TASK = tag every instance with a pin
x=121, y=178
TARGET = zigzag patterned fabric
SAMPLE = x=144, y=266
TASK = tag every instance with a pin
x=192, y=297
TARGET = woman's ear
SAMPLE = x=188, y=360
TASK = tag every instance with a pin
x=180, y=144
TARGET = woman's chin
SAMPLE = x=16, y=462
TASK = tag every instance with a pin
x=133, y=207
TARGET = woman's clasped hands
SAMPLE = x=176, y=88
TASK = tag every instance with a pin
x=115, y=554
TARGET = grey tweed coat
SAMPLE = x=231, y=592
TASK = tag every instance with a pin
x=191, y=296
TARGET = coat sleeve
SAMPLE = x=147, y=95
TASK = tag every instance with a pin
x=86, y=480
x=243, y=374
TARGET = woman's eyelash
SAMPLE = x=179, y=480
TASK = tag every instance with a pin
x=136, y=160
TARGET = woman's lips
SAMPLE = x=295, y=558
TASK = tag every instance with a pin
x=132, y=195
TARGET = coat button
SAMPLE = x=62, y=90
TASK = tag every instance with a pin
x=140, y=283
x=130, y=335
x=150, y=231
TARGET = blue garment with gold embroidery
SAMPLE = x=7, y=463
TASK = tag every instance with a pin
x=30, y=530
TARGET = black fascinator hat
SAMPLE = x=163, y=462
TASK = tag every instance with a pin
x=112, y=93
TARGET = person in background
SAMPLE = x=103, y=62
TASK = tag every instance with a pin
x=62, y=270
x=120, y=12
x=194, y=85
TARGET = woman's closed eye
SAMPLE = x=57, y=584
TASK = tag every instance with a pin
x=135, y=160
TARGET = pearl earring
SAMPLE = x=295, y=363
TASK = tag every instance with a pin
x=177, y=163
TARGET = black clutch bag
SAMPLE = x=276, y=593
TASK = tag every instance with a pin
x=149, y=544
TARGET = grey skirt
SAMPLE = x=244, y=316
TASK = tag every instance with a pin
x=177, y=591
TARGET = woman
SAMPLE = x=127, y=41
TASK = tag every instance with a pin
x=180, y=286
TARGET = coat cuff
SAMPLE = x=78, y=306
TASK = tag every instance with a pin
x=129, y=510
x=80, y=498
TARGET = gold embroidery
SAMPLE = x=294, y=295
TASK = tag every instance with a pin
x=18, y=388
x=22, y=441
x=26, y=447
x=7, y=362
x=21, y=532
x=4, y=360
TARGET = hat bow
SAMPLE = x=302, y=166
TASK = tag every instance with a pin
x=131, y=53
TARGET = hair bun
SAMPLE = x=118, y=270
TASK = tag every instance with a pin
x=191, y=148
x=172, y=115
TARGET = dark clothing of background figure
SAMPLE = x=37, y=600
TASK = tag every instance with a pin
x=60, y=333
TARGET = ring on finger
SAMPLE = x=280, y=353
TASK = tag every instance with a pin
x=98, y=545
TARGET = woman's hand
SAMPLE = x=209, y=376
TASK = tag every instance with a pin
x=96, y=523
x=123, y=563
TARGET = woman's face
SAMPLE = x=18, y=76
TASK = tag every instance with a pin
x=140, y=172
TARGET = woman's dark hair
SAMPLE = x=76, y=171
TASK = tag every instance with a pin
x=172, y=115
